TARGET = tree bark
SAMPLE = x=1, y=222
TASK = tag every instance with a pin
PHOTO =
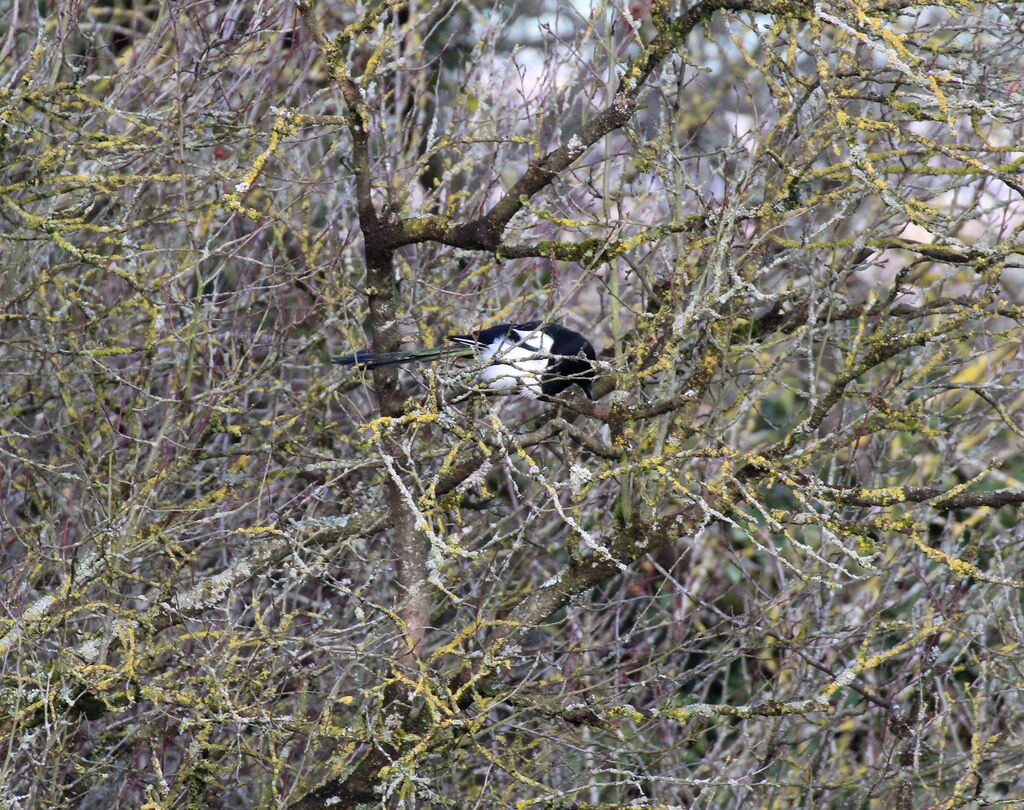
x=379, y=234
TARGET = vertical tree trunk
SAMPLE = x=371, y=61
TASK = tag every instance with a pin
x=378, y=239
x=408, y=544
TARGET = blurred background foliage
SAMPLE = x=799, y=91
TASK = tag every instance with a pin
x=799, y=263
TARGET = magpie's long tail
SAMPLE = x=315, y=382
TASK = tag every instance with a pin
x=371, y=360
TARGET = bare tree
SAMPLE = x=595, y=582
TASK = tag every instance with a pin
x=776, y=560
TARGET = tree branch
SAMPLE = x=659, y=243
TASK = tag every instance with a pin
x=940, y=499
x=356, y=114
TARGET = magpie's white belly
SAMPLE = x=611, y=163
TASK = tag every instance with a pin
x=511, y=364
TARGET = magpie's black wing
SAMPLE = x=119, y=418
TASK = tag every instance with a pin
x=575, y=365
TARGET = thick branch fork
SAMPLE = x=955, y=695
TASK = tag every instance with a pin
x=485, y=232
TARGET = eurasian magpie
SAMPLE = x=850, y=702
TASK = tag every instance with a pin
x=535, y=357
